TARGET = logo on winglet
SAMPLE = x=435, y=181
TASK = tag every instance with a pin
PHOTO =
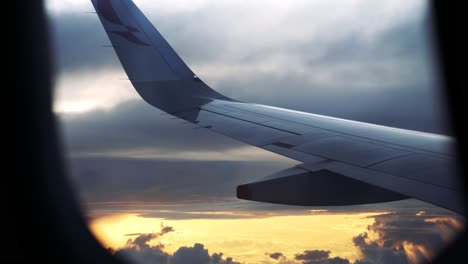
x=107, y=11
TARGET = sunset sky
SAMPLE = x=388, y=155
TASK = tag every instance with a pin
x=156, y=191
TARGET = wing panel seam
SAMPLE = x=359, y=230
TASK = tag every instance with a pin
x=340, y=132
x=260, y=124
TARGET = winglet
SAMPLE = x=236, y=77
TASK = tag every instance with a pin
x=156, y=71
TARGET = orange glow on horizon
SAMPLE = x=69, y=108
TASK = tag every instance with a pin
x=247, y=240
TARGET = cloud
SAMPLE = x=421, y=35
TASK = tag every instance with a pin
x=319, y=257
x=140, y=251
x=334, y=60
x=398, y=237
x=405, y=237
x=310, y=255
x=373, y=253
x=137, y=130
x=166, y=229
x=133, y=234
x=184, y=189
x=276, y=255
x=100, y=180
x=196, y=254
x=79, y=42
x=92, y=90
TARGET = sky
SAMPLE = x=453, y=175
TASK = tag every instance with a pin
x=155, y=191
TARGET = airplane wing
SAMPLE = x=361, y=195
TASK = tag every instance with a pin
x=343, y=162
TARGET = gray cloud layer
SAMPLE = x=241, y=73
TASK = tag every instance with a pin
x=175, y=189
x=133, y=125
x=344, y=67
x=162, y=180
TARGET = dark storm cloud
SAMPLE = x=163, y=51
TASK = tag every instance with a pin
x=391, y=81
x=139, y=250
x=79, y=41
x=409, y=108
x=153, y=180
x=134, y=125
x=407, y=39
x=388, y=72
x=182, y=189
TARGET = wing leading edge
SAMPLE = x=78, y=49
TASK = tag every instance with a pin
x=343, y=162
